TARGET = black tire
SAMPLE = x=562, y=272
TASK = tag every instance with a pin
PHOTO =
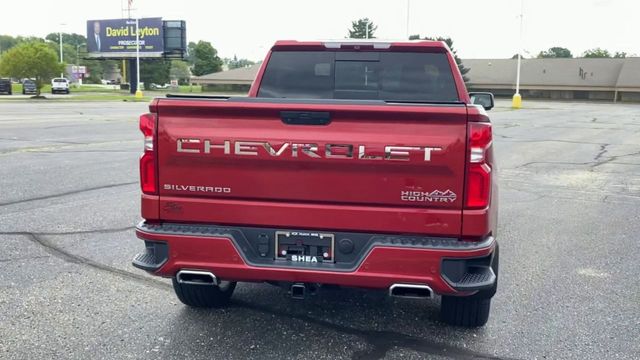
x=204, y=296
x=468, y=311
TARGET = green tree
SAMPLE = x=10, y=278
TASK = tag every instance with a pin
x=463, y=70
x=31, y=60
x=180, y=71
x=620, y=55
x=154, y=71
x=68, y=52
x=596, y=53
x=7, y=42
x=74, y=46
x=205, y=59
x=71, y=39
x=191, y=50
x=23, y=39
x=236, y=63
x=556, y=52
x=361, y=28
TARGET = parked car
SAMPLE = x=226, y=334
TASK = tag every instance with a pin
x=5, y=86
x=108, y=82
x=60, y=85
x=29, y=87
x=160, y=86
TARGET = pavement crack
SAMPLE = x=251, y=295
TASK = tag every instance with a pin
x=42, y=140
x=380, y=341
x=74, y=192
x=552, y=163
x=551, y=140
x=24, y=258
x=63, y=233
x=81, y=260
x=80, y=232
x=88, y=151
x=63, y=145
x=603, y=150
x=613, y=158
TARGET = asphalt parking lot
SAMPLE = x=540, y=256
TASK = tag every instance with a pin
x=569, y=234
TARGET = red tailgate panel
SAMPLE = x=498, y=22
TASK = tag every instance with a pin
x=212, y=187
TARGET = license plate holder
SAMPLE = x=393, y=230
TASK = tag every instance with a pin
x=304, y=247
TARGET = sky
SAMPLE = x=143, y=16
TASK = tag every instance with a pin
x=247, y=28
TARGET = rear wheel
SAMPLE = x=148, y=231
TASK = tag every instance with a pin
x=470, y=311
x=207, y=296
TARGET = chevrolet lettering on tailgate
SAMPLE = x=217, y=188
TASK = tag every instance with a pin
x=327, y=151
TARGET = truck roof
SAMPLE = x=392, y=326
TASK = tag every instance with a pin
x=379, y=44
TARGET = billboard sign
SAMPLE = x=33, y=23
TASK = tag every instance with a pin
x=116, y=38
x=75, y=69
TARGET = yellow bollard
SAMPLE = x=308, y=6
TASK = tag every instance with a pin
x=516, y=103
x=138, y=94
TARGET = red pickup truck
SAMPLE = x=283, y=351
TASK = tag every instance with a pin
x=359, y=164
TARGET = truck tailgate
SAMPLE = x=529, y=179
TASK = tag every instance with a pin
x=380, y=156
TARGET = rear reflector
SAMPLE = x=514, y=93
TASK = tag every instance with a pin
x=478, y=181
x=148, y=179
x=148, y=174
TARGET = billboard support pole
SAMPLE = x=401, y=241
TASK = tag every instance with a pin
x=133, y=81
x=124, y=72
x=138, y=91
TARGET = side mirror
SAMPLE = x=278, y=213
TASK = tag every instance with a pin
x=483, y=99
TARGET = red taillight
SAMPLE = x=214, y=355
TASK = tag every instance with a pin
x=148, y=180
x=478, y=186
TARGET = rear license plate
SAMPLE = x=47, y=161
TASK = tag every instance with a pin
x=304, y=247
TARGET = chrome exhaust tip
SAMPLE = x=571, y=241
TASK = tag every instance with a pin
x=412, y=291
x=196, y=277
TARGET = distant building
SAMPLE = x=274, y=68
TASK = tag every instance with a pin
x=239, y=79
x=579, y=78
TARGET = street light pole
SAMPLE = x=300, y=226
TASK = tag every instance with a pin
x=366, y=30
x=60, y=38
x=408, y=7
x=516, y=103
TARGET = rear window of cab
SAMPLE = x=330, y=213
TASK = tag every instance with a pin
x=388, y=76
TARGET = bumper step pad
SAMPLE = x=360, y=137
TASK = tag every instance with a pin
x=470, y=274
x=154, y=256
x=476, y=277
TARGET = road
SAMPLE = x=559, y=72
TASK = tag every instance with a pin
x=569, y=225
